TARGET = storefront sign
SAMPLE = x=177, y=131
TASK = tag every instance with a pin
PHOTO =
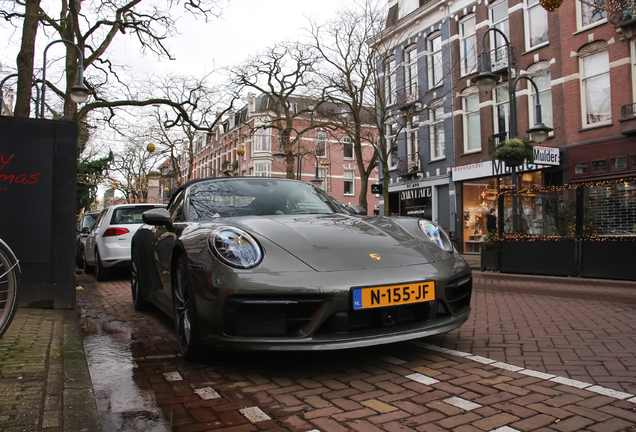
x=489, y=169
x=415, y=193
x=546, y=155
x=376, y=189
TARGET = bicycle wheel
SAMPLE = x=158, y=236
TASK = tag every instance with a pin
x=9, y=286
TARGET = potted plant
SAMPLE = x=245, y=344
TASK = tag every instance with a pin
x=490, y=251
x=513, y=152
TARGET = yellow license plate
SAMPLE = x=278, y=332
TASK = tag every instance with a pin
x=393, y=295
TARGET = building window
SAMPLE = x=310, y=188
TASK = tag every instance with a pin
x=412, y=144
x=347, y=148
x=588, y=15
x=322, y=173
x=544, y=83
x=321, y=144
x=499, y=19
x=536, y=24
x=633, y=157
x=349, y=182
x=472, y=128
x=595, y=89
x=437, y=133
x=618, y=163
x=580, y=168
x=391, y=137
x=263, y=169
x=501, y=114
x=410, y=78
x=599, y=165
x=390, y=83
x=435, y=60
x=261, y=140
x=468, y=46
x=405, y=7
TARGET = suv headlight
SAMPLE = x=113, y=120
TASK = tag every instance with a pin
x=436, y=234
x=235, y=247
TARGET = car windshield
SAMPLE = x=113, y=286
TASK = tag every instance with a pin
x=129, y=215
x=258, y=197
x=89, y=220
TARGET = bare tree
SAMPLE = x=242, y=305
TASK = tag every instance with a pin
x=93, y=29
x=282, y=74
x=348, y=76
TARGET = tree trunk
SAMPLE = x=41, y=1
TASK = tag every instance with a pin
x=385, y=187
x=25, y=59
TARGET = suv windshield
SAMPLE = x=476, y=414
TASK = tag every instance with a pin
x=88, y=220
x=129, y=215
x=258, y=197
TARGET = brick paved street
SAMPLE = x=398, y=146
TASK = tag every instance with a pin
x=535, y=355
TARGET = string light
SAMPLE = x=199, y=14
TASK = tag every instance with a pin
x=550, y=5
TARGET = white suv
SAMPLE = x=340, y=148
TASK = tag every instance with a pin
x=108, y=243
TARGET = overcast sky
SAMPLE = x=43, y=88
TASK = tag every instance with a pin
x=245, y=27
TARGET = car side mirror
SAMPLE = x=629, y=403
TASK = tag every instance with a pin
x=158, y=217
x=357, y=210
x=85, y=230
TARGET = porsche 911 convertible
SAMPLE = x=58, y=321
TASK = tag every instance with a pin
x=257, y=263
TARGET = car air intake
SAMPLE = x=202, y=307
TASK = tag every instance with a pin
x=458, y=293
x=268, y=317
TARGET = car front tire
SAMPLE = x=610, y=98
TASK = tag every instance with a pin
x=101, y=274
x=139, y=302
x=185, y=312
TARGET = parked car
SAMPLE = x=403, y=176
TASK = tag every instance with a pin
x=83, y=228
x=107, y=245
x=274, y=264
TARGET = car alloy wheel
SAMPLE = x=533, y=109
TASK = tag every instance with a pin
x=139, y=302
x=185, y=312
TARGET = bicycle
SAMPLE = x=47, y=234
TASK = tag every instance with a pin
x=9, y=286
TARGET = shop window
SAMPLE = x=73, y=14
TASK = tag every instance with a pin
x=536, y=24
x=550, y=213
x=580, y=168
x=610, y=210
x=468, y=46
x=633, y=157
x=595, y=89
x=618, y=163
x=599, y=166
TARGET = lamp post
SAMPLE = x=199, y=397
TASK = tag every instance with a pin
x=280, y=156
x=79, y=92
x=487, y=80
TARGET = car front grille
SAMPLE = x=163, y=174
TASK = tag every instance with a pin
x=458, y=293
x=268, y=317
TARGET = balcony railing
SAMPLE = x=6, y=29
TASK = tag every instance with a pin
x=498, y=59
x=410, y=164
x=627, y=111
x=408, y=97
x=495, y=139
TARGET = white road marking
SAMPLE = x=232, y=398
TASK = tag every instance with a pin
x=462, y=403
x=423, y=379
x=254, y=414
x=173, y=376
x=207, y=393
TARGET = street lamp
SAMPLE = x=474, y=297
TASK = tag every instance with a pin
x=487, y=80
x=79, y=92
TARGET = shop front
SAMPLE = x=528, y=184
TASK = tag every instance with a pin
x=477, y=187
x=422, y=199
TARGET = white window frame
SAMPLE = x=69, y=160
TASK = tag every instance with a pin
x=505, y=104
x=262, y=169
x=405, y=7
x=579, y=17
x=321, y=141
x=346, y=142
x=435, y=57
x=323, y=174
x=349, y=176
x=412, y=136
x=390, y=81
x=390, y=136
x=465, y=117
x=436, y=118
x=464, y=43
x=262, y=141
x=410, y=71
x=530, y=6
x=532, y=102
x=496, y=40
x=583, y=83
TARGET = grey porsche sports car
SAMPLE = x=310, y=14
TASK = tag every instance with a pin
x=275, y=264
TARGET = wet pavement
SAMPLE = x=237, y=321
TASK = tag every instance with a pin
x=538, y=353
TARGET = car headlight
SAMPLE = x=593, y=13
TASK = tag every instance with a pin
x=235, y=247
x=436, y=234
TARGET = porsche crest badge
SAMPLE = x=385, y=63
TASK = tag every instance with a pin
x=375, y=256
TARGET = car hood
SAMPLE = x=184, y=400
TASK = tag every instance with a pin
x=341, y=242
